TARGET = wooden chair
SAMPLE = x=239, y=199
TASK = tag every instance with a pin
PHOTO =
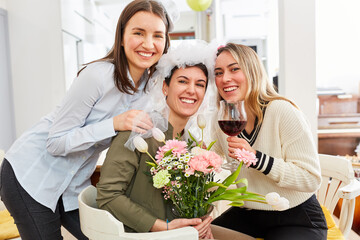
x=98, y=224
x=338, y=181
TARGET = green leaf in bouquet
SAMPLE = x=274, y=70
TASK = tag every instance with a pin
x=214, y=184
x=192, y=138
x=227, y=182
x=240, y=190
x=152, y=164
x=168, y=153
x=210, y=145
x=242, y=180
x=237, y=203
x=254, y=196
x=230, y=196
x=232, y=177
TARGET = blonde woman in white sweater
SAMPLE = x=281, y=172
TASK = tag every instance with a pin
x=279, y=135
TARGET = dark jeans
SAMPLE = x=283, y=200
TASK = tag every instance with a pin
x=33, y=220
x=303, y=222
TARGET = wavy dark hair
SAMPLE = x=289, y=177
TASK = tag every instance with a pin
x=117, y=53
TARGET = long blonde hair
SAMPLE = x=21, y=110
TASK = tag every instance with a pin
x=260, y=91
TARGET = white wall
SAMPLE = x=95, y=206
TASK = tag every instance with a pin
x=297, y=75
x=7, y=125
x=338, y=44
x=252, y=23
x=88, y=34
x=36, y=59
x=3, y=4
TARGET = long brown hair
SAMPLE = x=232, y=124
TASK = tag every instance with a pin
x=260, y=92
x=117, y=54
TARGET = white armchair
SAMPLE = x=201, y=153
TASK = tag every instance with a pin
x=338, y=181
x=98, y=224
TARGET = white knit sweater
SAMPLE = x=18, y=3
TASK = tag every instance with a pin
x=288, y=161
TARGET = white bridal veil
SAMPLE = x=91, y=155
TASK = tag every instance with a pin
x=187, y=53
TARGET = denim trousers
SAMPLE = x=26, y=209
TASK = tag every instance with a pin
x=303, y=222
x=34, y=220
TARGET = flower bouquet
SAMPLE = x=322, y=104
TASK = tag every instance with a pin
x=185, y=173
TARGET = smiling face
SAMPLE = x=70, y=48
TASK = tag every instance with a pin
x=230, y=81
x=143, y=41
x=185, y=92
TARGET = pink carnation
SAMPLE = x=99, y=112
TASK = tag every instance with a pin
x=214, y=160
x=178, y=148
x=199, y=163
x=246, y=156
x=206, y=162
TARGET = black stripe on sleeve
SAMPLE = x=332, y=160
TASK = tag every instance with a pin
x=262, y=161
x=258, y=156
x=269, y=165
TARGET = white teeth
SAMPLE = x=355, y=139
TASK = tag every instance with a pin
x=145, y=54
x=229, y=89
x=187, y=100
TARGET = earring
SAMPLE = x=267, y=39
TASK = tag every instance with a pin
x=165, y=92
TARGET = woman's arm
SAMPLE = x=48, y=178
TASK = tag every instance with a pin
x=117, y=172
x=69, y=131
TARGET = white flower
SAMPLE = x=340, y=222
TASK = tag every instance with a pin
x=201, y=122
x=158, y=135
x=272, y=198
x=282, y=205
x=197, y=151
x=140, y=144
x=278, y=203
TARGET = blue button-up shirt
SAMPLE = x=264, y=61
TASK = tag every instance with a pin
x=58, y=155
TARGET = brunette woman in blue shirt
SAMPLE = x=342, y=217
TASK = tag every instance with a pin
x=46, y=168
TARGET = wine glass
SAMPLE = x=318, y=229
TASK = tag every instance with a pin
x=232, y=120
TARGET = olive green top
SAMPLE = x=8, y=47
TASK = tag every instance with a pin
x=126, y=191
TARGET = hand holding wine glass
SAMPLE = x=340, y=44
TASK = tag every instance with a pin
x=232, y=121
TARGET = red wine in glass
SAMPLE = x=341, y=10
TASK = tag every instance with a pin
x=232, y=127
x=232, y=121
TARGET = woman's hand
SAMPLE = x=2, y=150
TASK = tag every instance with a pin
x=208, y=234
x=235, y=142
x=204, y=228
x=184, y=222
x=136, y=120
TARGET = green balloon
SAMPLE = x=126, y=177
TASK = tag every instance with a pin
x=199, y=5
